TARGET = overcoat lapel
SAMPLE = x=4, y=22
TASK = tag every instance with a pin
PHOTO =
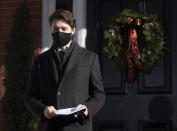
x=52, y=67
x=74, y=57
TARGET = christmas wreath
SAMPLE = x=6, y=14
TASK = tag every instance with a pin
x=134, y=42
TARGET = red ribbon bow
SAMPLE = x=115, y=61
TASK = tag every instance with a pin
x=132, y=53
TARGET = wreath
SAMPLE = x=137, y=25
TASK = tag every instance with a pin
x=134, y=42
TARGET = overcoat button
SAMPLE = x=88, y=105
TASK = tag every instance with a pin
x=59, y=93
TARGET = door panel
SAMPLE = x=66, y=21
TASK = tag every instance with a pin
x=149, y=103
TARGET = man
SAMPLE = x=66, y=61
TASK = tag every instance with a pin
x=65, y=76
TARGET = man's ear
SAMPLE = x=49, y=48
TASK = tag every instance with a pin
x=73, y=30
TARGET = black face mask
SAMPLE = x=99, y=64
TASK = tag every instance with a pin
x=61, y=39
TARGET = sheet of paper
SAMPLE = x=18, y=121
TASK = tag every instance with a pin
x=68, y=111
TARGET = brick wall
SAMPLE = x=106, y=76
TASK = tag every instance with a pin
x=7, y=10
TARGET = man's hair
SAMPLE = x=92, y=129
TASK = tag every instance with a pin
x=64, y=15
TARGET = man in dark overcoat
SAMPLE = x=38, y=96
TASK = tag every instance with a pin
x=65, y=76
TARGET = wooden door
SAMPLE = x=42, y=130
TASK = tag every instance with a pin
x=150, y=103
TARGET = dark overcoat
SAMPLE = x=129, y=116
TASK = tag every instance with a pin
x=81, y=83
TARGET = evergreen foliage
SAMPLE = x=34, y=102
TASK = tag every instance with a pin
x=18, y=59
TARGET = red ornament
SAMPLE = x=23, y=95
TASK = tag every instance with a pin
x=114, y=43
x=138, y=22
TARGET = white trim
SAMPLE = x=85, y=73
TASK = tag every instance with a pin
x=48, y=7
x=79, y=12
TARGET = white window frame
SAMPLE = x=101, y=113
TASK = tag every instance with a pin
x=48, y=7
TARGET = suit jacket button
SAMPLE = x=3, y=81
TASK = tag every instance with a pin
x=59, y=93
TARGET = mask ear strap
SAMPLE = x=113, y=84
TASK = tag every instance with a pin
x=73, y=36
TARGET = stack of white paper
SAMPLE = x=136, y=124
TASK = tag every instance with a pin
x=68, y=111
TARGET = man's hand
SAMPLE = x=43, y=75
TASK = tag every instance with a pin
x=49, y=112
x=80, y=106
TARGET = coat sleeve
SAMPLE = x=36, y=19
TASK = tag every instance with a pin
x=33, y=93
x=97, y=95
